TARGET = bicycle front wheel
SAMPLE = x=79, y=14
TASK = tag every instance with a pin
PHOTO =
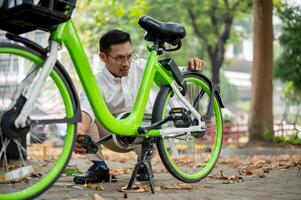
x=190, y=156
x=32, y=158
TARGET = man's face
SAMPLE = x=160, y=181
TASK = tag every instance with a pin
x=118, y=59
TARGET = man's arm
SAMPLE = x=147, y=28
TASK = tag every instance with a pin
x=82, y=128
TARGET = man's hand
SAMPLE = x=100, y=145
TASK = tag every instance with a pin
x=195, y=64
x=78, y=148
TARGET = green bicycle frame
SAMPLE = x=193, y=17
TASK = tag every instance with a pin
x=66, y=33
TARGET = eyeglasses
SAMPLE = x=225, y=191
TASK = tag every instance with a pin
x=121, y=59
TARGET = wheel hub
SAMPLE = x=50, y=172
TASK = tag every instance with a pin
x=8, y=121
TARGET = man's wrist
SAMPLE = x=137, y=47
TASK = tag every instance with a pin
x=80, y=132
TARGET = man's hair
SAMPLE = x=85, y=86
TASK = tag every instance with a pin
x=113, y=37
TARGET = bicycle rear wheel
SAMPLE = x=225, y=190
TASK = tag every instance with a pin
x=190, y=157
x=32, y=158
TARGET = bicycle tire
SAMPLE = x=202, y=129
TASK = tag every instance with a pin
x=67, y=106
x=169, y=149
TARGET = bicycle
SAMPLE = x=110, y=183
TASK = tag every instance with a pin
x=186, y=124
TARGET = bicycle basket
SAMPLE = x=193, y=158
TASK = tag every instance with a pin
x=21, y=16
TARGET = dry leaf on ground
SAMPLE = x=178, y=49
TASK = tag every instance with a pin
x=120, y=171
x=36, y=174
x=99, y=186
x=137, y=188
x=142, y=187
x=77, y=187
x=227, y=179
x=97, y=197
x=248, y=165
x=88, y=185
x=179, y=186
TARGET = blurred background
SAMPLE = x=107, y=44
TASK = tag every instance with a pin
x=223, y=33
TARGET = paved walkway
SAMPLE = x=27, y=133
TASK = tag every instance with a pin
x=277, y=184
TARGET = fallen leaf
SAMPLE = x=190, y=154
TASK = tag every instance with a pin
x=180, y=186
x=139, y=188
x=208, y=187
x=99, y=186
x=77, y=187
x=97, y=197
x=2, y=178
x=227, y=179
x=69, y=171
x=120, y=171
x=245, y=172
x=88, y=185
x=22, y=180
x=36, y=175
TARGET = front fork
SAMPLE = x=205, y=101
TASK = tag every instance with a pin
x=21, y=120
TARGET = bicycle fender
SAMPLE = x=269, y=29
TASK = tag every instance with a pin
x=36, y=48
x=217, y=94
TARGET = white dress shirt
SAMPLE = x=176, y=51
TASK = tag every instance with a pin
x=120, y=93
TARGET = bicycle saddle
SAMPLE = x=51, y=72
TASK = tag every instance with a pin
x=165, y=31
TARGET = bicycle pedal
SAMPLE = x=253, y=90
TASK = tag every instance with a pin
x=86, y=142
x=181, y=117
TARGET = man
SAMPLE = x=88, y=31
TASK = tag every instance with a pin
x=119, y=83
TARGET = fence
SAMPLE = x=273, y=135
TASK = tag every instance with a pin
x=238, y=133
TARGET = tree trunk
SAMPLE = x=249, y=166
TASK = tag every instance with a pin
x=215, y=73
x=261, y=110
x=216, y=58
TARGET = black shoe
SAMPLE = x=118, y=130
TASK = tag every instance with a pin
x=94, y=174
x=142, y=174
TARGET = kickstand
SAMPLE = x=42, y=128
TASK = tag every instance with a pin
x=144, y=159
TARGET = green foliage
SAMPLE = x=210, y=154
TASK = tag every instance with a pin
x=279, y=139
x=288, y=65
x=229, y=92
x=292, y=94
x=69, y=171
x=268, y=135
x=94, y=17
x=228, y=118
x=208, y=25
x=291, y=139
x=244, y=106
x=294, y=139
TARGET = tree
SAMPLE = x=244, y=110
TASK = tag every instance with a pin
x=288, y=65
x=211, y=22
x=94, y=17
x=215, y=31
x=292, y=95
x=261, y=112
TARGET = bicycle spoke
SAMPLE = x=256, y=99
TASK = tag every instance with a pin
x=5, y=86
x=20, y=149
x=4, y=147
